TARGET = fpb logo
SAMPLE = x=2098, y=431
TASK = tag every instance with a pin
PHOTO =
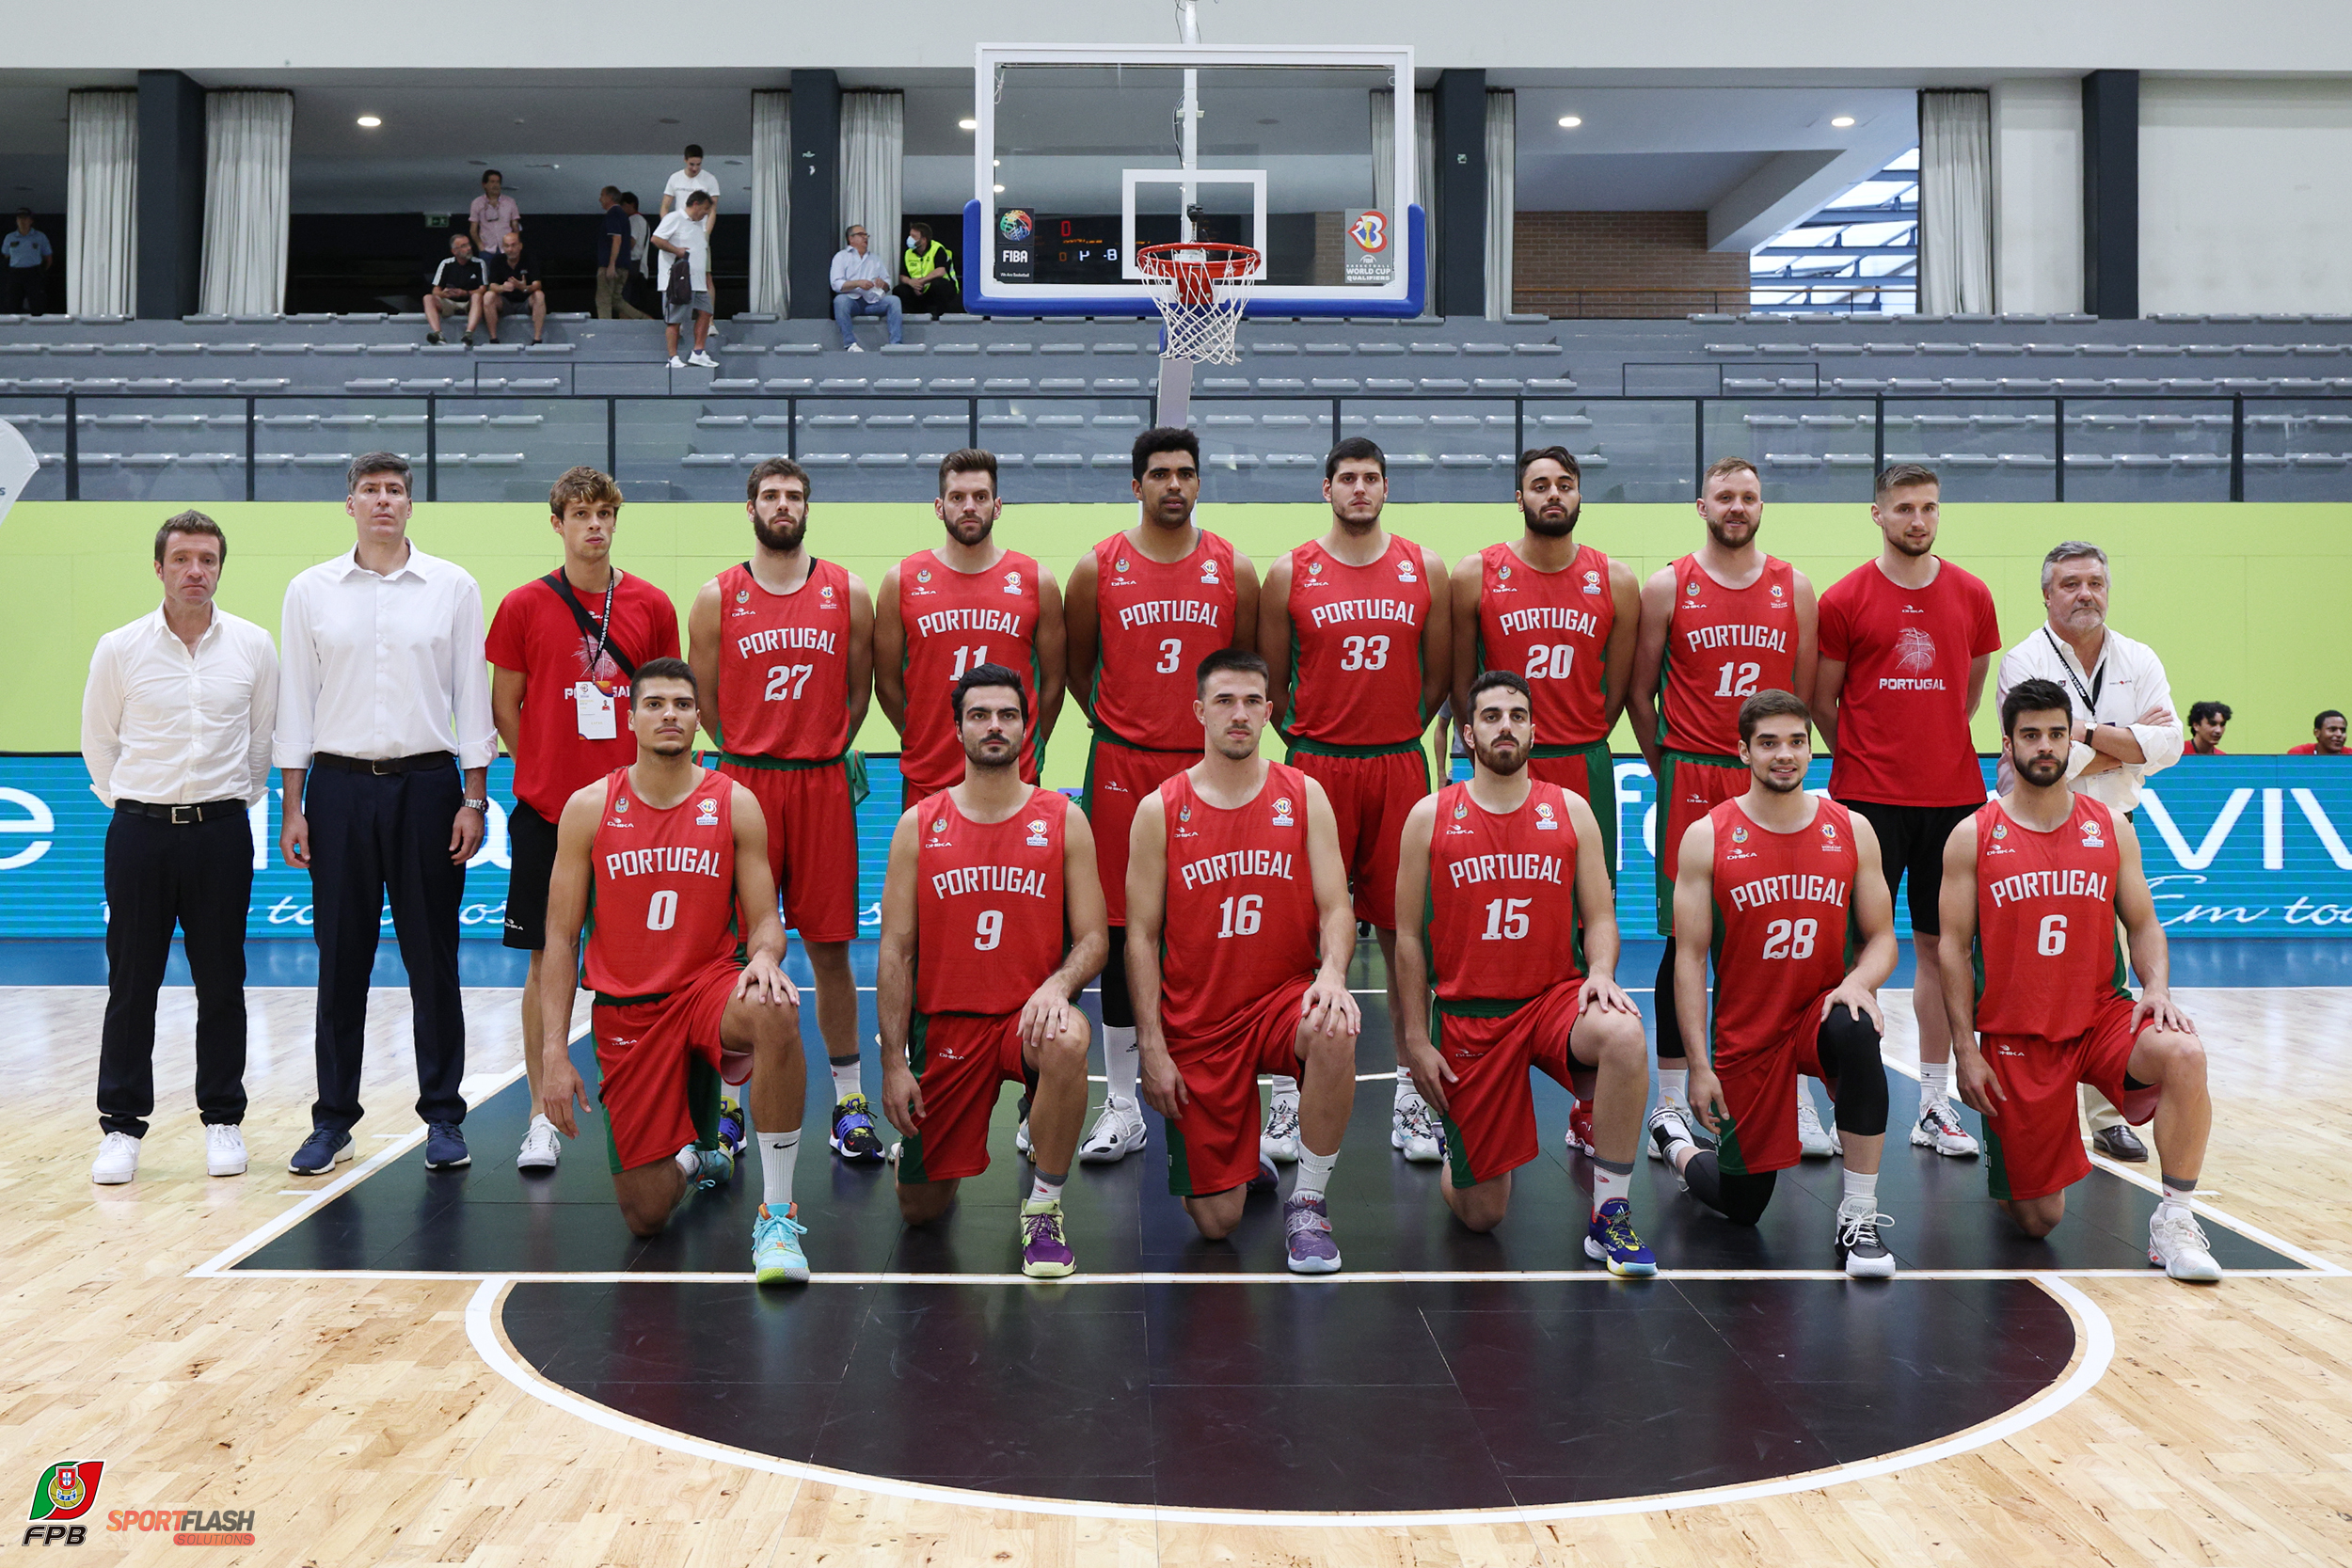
x=65, y=1492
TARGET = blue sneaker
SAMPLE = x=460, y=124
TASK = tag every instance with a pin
x=853, y=1133
x=1612, y=1241
x=731, y=1127
x=445, y=1147
x=713, y=1167
x=1267, y=1177
x=320, y=1152
x=776, y=1255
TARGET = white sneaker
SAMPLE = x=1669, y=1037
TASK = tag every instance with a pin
x=855, y=348
x=702, y=361
x=1021, y=1139
x=1413, y=1129
x=118, y=1160
x=1867, y=1256
x=542, y=1147
x=1678, y=1126
x=1939, y=1130
x=677, y=363
x=2177, y=1245
x=1816, y=1141
x=1118, y=1133
x=224, y=1151
x=1280, y=1139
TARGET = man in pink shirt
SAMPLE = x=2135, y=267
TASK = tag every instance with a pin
x=492, y=214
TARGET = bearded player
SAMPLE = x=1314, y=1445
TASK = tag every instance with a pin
x=1143, y=608
x=1508, y=867
x=1769, y=882
x=1563, y=616
x=785, y=644
x=674, y=859
x=2034, y=884
x=975, y=977
x=1360, y=642
x=1717, y=627
x=945, y=611
x=1240, y=932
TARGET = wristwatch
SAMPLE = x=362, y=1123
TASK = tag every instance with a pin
x=482, y=806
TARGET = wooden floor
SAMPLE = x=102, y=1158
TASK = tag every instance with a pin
x=359, y=1424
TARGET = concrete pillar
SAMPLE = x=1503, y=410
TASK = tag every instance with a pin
x=171, y=195
x=1460, y=286
x=815, y=190
x=2111, y=194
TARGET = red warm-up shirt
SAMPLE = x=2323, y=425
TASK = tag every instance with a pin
x=1902, y=715
x=533, y=634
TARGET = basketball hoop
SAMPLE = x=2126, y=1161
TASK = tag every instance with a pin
x=1200, y=287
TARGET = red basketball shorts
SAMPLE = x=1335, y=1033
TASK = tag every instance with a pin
x=812, y=844
x=2033, y=1146
x=1490, y=1105
x=1371, y=797
x=962, y=1061
x=1213, y=1146
x=644, y=1053
x=1119, y=779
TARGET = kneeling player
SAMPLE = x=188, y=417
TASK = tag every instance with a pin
x=1234, y=882
x=973, y=977
x=2033, y=885
x=671, y=853
x=1768, y=878
x=1504, y=866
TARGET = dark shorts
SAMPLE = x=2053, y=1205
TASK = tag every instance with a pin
x=1911, y=839
x=530, y=865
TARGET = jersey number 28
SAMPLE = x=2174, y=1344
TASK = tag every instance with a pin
x=1791, y=939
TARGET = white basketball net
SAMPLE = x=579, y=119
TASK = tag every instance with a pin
x=1201, y=293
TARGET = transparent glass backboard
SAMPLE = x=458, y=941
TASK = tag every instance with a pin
x=1083, y=157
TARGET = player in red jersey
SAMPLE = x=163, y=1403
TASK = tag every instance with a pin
x=1776, y=884
x=784, y=643
x=946, y=611
x=1361, y=641
x=562, y=649
x=1906, y=643
x=674, y=860
x=1719, y=626
x=991, y=924
x=1508, y=867
x=1143, y=608
x=2034, y=884
x=1241, y=930
x=2327, y=739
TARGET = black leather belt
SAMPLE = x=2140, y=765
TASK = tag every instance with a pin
x=382, y=765
x=181, y=816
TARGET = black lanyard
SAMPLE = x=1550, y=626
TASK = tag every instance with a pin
x=2098, y=678
x=603, y=633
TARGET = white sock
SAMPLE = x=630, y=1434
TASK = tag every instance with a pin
x=1935, y=1084
x=1122, y=1062
x=1611, y=1182
x=777, y=1152
x=1047, y=1189
x=1406, y=1093
x=1315, y=1172
x=1859, y=1189
x=689, y=1161
x=847, y=1079
x=1674, y=1089
x=2178, y=1195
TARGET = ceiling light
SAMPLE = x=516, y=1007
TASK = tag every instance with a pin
x=1569, y=122
x=998, y=189
x=368, y=122
x=1843, y=122
x=967, y=125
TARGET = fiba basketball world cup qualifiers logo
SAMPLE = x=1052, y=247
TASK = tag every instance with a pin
x=1370, y=231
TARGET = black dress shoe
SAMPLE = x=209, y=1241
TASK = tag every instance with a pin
x=2120, y=1143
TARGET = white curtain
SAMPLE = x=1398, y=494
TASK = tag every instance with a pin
x=1502, y=191
x=248, y=137
x=771, y=203
x=102, y=189
x=1955, y=202
x=1425, y=169
x=873, y=137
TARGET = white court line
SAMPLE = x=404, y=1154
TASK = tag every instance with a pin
x=2094, y=1351
x=1435, y=1276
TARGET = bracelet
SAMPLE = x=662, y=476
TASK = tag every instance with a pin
x=482, y=806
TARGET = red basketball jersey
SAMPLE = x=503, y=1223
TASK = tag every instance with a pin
x=2045, y=921
x=783, y=665
x=1501, y=895
x=1157, y=622
x=954, y=622
x=1781, y=905
x=1724, y=645
x=1554, y=629
x=1355, y=646
x=1241, y=901
x=662, y=906
x=990, y=917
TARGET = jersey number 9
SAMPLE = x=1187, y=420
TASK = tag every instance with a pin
x=991, y=931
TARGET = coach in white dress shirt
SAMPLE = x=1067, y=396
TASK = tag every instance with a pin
x=176, y=734
x=385, y=698
x=2124, y=725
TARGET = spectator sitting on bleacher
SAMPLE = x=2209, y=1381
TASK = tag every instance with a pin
x=2206, y=720
x=492, y=214
x=640, y=285
x=681, y=238
x=28, y=254
x=860, y=287
x=2326, y=736
x=459, y=281
x=515, y=287
x=613, y=259
x=927, y=278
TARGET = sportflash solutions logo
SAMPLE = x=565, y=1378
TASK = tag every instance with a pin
x=67, y=1493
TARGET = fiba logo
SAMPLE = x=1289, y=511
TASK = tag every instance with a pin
x=1914, y=652
x=1015, y=225
x=1370, y=231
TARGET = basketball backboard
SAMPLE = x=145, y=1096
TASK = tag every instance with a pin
x=1084, y=154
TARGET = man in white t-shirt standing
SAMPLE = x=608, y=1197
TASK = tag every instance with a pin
x=683, y=236
x=860, y=287
x=684, y=183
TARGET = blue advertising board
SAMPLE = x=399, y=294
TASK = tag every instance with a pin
x=2250, y=846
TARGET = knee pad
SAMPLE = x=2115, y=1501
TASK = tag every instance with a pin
x=1849, y=1048
x=1663, y=1005
x=1119, y=1009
